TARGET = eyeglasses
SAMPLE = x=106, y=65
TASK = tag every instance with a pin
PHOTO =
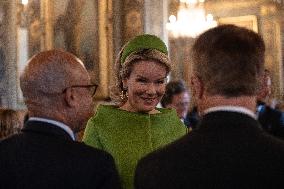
x=92, y=88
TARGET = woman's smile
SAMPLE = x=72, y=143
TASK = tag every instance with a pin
x=146, y=86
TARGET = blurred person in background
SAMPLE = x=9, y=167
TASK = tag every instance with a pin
x=10, y=123
x=193, y=116
x=177, y=97
x=271, y=120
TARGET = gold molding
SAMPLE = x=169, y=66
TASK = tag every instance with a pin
x=248, y=21
x=47, y=23
x=105, y=48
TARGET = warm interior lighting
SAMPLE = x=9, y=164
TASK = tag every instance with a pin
x=25, y=2
x=191, y=19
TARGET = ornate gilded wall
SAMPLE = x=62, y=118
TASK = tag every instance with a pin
x=264, y=16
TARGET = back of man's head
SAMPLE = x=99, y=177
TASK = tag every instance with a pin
x=229, y=60
x=49, y=72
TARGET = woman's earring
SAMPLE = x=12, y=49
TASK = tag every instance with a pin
x=124, y=94
x=121, y=95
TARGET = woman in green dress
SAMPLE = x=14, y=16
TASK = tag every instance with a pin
x=135, y=127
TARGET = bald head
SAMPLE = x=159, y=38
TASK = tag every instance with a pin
x=55, y=86
x=51, y=72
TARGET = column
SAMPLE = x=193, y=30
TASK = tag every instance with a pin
x=155, y=18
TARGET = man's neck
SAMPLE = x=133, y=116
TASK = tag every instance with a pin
x=55, y=123
x=52, y=116
x=248, y=102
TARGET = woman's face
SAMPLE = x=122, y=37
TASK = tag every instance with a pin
x=146, y=86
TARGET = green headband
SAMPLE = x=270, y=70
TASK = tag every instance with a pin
x=141, y=42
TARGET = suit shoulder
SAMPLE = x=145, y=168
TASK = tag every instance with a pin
x=91, y=150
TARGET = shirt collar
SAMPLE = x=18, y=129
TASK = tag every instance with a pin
x=56, y=123
x=238, y=109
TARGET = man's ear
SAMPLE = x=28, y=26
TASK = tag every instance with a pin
x=197, y=87
x=69, y=97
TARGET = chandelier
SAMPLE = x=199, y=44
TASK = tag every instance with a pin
x=190, y=20
x=25, y=2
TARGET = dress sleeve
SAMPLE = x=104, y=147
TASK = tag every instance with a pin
x=91, y=135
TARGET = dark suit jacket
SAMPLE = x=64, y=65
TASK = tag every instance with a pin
x=45, y=156
x=227, y=150
x=271, y=120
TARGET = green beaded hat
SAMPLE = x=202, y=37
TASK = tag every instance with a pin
x=145, y=41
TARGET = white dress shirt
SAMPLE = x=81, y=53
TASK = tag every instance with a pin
x=239, y=109
x=56, y=123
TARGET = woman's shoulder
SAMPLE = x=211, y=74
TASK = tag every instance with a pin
x=105, y=110
x=166, y=112
x=111, y=112
x=106, y=107
x=170, y=120
x=105, y=116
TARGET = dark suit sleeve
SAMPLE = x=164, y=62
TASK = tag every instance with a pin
x=144, y=175
x=279, y=130
x=110, y=177
x=139, y=179
x=281, y=120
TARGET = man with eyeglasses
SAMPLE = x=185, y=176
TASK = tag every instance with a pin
x=58, y=94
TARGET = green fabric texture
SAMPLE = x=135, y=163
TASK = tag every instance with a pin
x=141, y=42
x=129, y=136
